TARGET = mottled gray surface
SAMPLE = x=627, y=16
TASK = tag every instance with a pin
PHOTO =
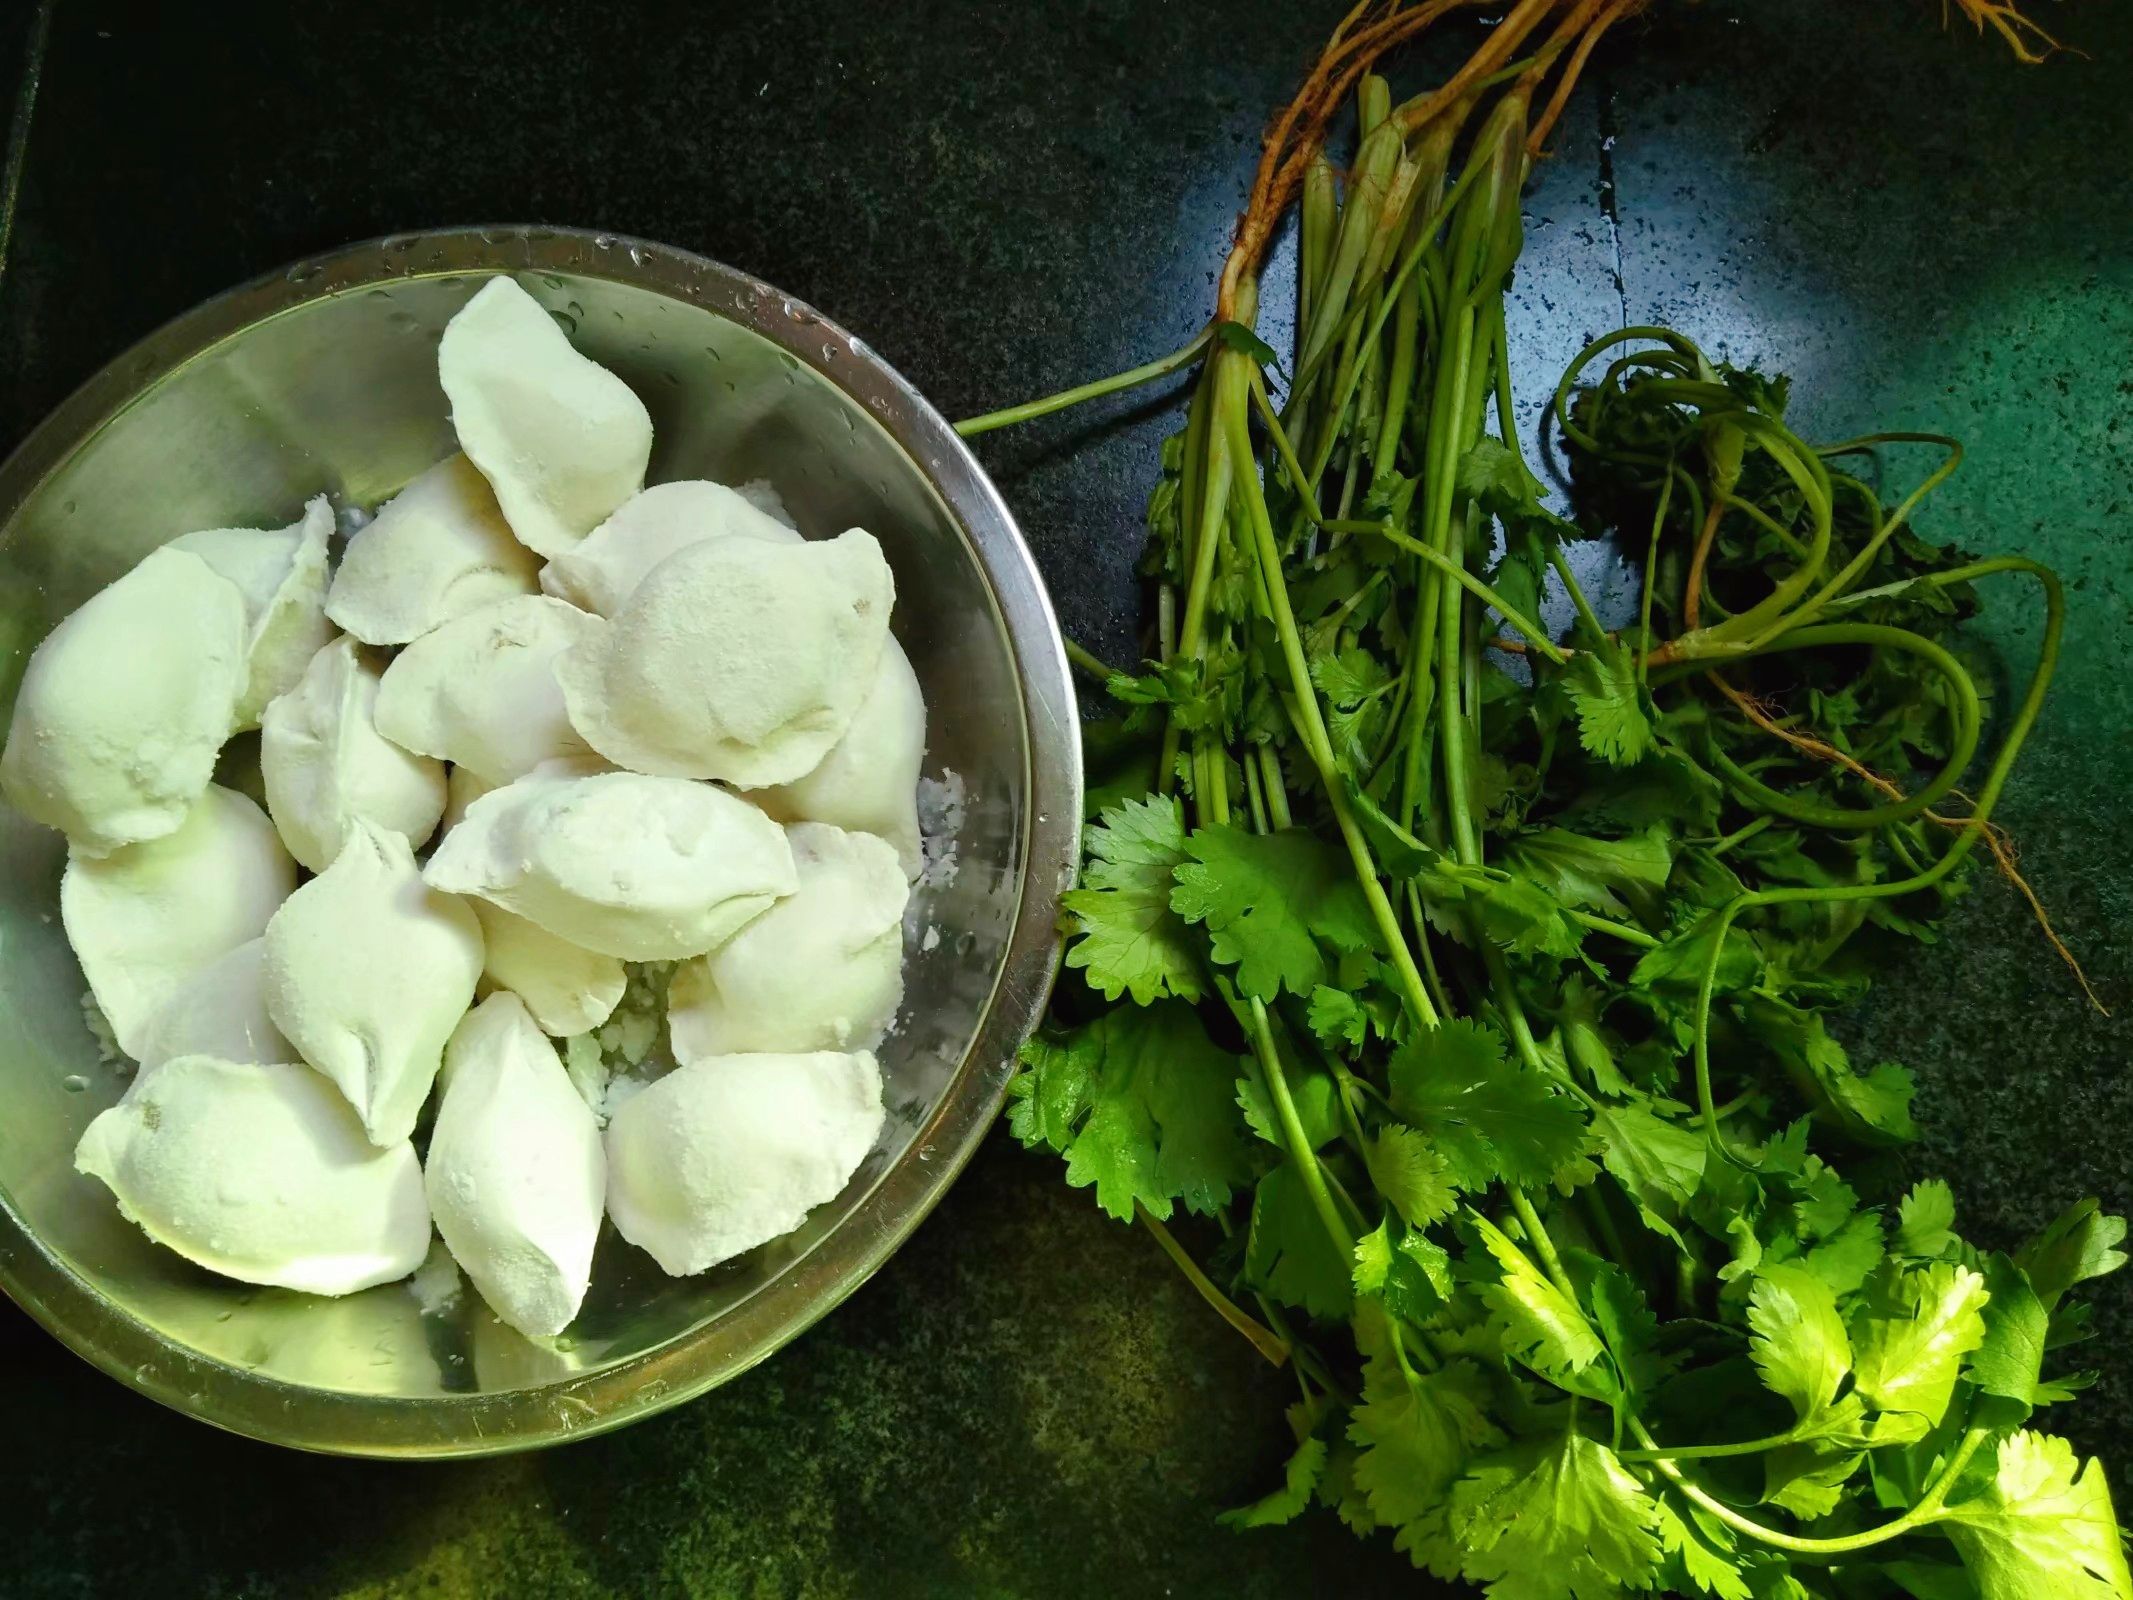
x=1007, y=199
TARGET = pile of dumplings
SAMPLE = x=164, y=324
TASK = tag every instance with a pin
x=538, y=723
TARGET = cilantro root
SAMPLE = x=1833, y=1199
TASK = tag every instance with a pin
x=1471, y=1023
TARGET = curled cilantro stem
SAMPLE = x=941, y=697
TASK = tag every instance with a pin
x=1966, y=838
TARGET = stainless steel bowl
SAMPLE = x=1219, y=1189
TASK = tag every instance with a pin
x=324, y=378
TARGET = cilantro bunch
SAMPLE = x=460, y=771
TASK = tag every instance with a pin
x=1463, y=990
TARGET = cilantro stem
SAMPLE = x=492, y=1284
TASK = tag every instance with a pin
x=1184, y=356
x=1613, y=929
x=1742, y=835
x=1714, y=1452
x=1543, y=1246
x=1294, y=1139
x=1237, y=427
x=1087, y=662
x=1651, y=573
x=1928, y=1508
x=1466, y=580
x=1276, y=1351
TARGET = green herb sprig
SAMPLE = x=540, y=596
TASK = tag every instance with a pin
x=1469, y=985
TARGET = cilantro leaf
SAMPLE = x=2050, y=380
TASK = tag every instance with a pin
x=1140, y=1103
x=1488, y=1117
x=1416, y=1437
x=1911, y=1340
x=1337, y=1018
x=1700, y=1554
x=1236, y=336
x=1563, y=1519
x=1579, y=870
x=1405, y=1270
x=2080, y=1244
x=1925, y=1220
x=1658, y=1163
x=2041, y=1530
x=1544, y=1327
x=1613, y=722
x=1624, y=1320
x=1412, y=1175
x=1288, y=1253
x=1313, y=1092
x=1498, y=477
x=1131, y=942
x=2009, y=1361
x=1299, y=1478
x=1796, y=1339
x=1275, y=902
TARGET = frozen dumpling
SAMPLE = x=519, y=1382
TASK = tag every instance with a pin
x=147, y=919
x=480, y=691
x=437, y=549
x=561, y=439
x=869, y=780
x=260, y=1172
x=736, y=659
x=568, y=990
x=730, y=1152
x=602, y=572
x=644, y=869
x=820, y=970
x=125, y=705
x=281, y=572
x=220, y=1011
x=368, y=970
x=515, y=1173
x=324, y=763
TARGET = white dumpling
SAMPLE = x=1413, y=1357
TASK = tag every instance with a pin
x=601, y=573
x=368, y=970
x=324, y=763
x=220, y=1011
x=481, y=692
x=437, y=549
x=125, y=705
x=820, y=970
x=736, y=659
x=261, y=1173
x=515, y=1173
x=281, y=572
x=643, y=869
x=730, y=1152
x=147, y=919
x=868, y=783
x=562, y=440
x=568, y=990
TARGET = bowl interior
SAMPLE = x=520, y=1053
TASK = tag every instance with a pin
x=338, y=393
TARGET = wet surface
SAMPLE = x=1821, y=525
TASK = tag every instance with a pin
x=1007, y=200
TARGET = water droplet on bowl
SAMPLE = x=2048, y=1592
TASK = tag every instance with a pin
x=636, y=255
x=303, y=272
x=603, y=241
x=74, y=1083
x=494, y=235
x=552, y=280
x=565, y=321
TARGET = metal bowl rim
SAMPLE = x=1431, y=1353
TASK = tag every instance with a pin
x=337, y=1422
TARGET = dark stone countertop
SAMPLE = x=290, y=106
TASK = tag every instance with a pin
x=1007, y=199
